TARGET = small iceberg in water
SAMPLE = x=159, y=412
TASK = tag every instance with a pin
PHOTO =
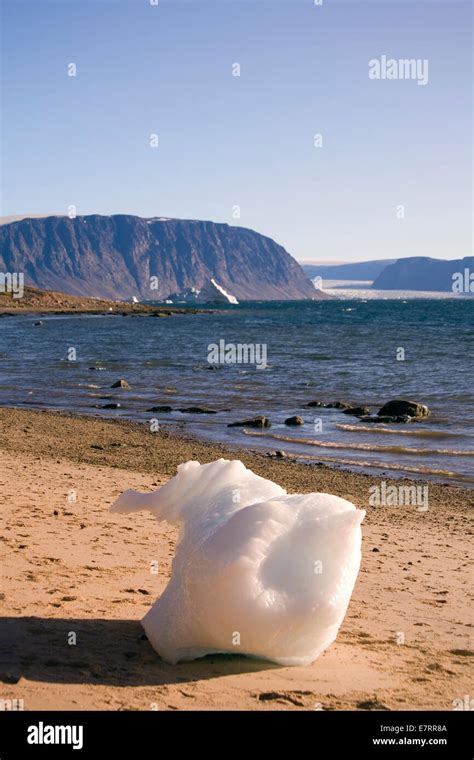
x=211, y=292
x=257, y=571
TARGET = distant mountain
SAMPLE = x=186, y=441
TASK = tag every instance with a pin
x=123, y=256
x=362, y=270
x=425, y=274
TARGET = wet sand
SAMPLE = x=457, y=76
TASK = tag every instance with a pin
x=71, y=571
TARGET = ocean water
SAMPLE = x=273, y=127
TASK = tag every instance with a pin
x=325, y=351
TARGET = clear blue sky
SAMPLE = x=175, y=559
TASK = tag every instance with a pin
x=245, y=140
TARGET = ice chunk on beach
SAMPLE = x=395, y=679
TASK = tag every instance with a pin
x=256, y=571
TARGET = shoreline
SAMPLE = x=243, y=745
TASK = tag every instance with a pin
x=186, y=445
x=35, y=302
x=72, y=566
x=164, y=363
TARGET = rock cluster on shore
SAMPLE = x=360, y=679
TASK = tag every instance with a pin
x=396, y=410
x=36, y=301
x=393, y=411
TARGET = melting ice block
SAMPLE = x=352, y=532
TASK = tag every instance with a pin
x=256, y=571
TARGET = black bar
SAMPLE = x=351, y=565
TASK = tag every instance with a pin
x=322, y=734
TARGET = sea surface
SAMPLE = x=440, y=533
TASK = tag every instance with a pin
x=319, y=350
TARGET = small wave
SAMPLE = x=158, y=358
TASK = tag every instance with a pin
x=364, y=446
x=367, y=464
x=398, y=467
x=384, y=430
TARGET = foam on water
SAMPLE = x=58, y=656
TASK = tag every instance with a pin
x=363, y=446
x=256, y=571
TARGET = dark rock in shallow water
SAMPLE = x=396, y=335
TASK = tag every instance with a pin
x=402, y=407
x=294, y=420
x=357, y=411
x=389, y=418
x=257, y=422
x=197, y=410
x=160, y=409
x=330, y=404
x=202, y=367
x=121, y=384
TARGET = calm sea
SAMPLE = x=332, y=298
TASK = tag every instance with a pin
x=361, y=352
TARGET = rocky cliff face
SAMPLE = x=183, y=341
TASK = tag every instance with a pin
x=123, y=256
x=423, y=273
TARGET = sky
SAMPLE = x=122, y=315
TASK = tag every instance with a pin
x=390, y=177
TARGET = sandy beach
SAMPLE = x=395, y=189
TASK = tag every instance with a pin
x=71, y=567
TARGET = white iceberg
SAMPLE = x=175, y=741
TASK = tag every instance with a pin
x=256, y=571
x=211, y=292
